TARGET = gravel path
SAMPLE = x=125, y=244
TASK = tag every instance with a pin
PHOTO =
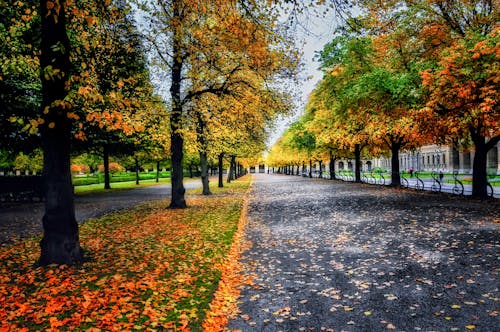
x=335, y=256
x=25, y=220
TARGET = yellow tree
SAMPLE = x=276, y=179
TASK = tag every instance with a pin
x=205, y=47
x=326, y=131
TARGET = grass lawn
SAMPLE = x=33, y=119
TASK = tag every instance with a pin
x=99, y=187
x=151, y=268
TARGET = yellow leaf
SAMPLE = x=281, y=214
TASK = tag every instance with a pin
x=455, y=306
x=52, y=125
x=367, y=313
x=470, y=327
x=348, y=309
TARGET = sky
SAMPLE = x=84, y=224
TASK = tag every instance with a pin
x=314, y=33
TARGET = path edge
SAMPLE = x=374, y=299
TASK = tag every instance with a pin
x=224, y=304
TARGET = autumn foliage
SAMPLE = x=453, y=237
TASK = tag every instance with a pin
x=150, y=267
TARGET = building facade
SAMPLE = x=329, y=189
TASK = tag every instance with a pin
x=432, y=158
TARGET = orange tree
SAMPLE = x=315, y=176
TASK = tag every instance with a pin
x=69, y=101
x=463, y=94
x=458, y=45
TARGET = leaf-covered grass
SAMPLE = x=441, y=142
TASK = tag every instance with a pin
x=152, y=268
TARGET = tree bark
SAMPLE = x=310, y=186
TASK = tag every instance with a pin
x=332, y=166
x=105, y=161
x=395, y=176
x=136, y=171
x=221, y=170
x=60, y=243
x=321, y=169
x=480, y=163
x=178, y=200
x=357, y=162
x=157, y=171
x=204, y=174
x=310, y=168
x=230, y=176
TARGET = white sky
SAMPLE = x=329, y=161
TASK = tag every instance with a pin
x=311, y=38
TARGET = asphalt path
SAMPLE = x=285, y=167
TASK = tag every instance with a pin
x=24, y=220
x=337, y=256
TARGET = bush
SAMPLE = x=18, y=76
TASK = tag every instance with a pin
x=83, y=181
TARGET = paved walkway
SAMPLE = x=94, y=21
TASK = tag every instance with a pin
x=338, y=256
x=25, y=220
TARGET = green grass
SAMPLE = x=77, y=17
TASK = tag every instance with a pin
x=99, y=188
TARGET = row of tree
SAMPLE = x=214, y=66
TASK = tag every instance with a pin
x=400, y=75
x=76, y=76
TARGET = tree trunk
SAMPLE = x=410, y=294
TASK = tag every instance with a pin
x=310, y=168
x=204, y=173
x=480, y=163
x=176, y=140
x=230, y=176
x=105, y=161
x=357, y=163
x=157, y=171
x=332, y=166
x=395, y=176
x=136, y=171
x=221, y=170
x=60, y=243
x=321, y=169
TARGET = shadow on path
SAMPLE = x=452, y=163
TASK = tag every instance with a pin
x=335, y=256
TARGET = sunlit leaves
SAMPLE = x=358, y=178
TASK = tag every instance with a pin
x=151, y=268
x=463, y=89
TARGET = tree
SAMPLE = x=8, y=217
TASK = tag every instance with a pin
x=60, y=243
x=463, y=93
x=344, y=61
x=456, y=41
x=113, y=86
x=20, y=86
x=207, y=48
